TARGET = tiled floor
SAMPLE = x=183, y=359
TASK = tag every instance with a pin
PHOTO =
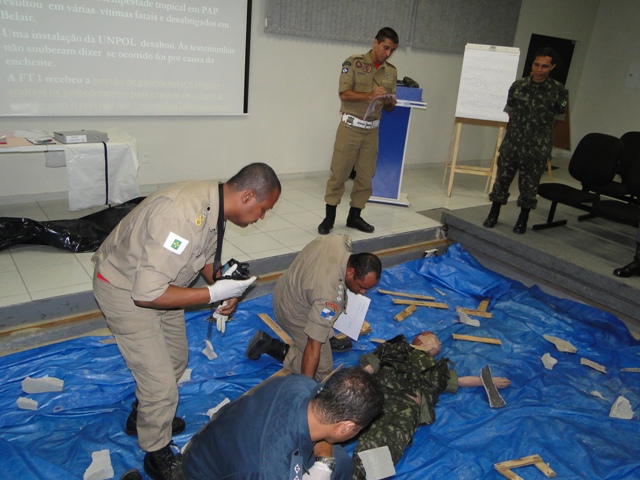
x=33, y=272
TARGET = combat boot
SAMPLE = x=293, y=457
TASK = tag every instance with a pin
x=131, y=428
x=131, y=475
x=492, y=218
x=341, y=344
x=263, y=343
x=354, y=220
x=161, y=464
x=521, y=224
x=631, y=269
x=329, y=219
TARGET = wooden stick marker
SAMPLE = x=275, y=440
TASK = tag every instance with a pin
x=470, y=338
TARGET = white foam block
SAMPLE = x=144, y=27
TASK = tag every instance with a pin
x=42, y=384
x=592, y=364
x=621, y=409
x=377, y=463
x=466, y=319
x=548, y=361
x=213, y=410
x=100, y=468
x=186, y=376
x=560, y=344
x=208, y=351
x=26, y=403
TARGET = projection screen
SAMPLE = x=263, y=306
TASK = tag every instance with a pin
x=124, y=57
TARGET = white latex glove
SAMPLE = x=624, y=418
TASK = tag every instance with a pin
x=221, y=320
x=319, y=471
x=224, y=289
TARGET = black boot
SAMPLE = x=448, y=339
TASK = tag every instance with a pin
x=492, y=219
x=131, y=475
x=342, y=344
x=521, y=224
x=161, y=464
x=329, y=219
x=131, y=428
x=263, y=343
x=354, y=220
x=631, y=269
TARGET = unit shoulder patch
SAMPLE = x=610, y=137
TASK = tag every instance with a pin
x=175, y=243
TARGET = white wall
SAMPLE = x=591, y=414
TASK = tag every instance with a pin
x=604, y=104
x=293, y=104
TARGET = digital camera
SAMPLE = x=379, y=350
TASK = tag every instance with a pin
x=240, y=272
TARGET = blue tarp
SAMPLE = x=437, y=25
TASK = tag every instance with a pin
x=560, y=414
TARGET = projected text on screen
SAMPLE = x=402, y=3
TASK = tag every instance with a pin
x=123, y=57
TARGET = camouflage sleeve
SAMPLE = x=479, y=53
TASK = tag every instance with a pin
x=452, y=383
x=508, y=108
x=370, y=359
x=561, y=107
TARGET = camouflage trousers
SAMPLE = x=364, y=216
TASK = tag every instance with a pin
x=529, y=170
x=394, y=428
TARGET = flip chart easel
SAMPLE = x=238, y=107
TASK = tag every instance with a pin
x=452, y=164
x=487, y=73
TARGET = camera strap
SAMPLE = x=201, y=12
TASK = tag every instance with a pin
x=220, y=230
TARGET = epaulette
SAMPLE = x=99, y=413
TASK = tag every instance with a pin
x=353, y=58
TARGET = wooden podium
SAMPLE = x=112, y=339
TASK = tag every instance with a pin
x=452, y=161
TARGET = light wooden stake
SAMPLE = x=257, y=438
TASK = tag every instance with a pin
x=470, y=338
x=477, y=313
x=417, y=303
x=410, y=295
x=405, y=313
x=504, y=468
x=284, y=336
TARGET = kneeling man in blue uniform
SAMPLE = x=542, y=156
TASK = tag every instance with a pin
x=287, y=429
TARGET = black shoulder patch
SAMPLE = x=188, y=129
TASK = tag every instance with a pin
x=346, y=63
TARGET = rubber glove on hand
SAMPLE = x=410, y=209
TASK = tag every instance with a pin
x=319, y=471
x=221, y=320
x=223, y=289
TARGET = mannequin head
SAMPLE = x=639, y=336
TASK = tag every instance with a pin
x=428, y=341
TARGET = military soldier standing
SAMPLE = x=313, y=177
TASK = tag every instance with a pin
x=363, y=79
x=533, y=104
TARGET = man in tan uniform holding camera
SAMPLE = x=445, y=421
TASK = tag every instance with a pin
x=143, y=272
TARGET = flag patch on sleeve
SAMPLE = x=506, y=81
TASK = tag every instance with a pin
x=175, y=243
x=329, y=311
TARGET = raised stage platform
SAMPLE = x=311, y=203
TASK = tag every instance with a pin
x=578, y=258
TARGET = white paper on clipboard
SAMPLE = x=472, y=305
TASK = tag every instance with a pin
x=350, y=321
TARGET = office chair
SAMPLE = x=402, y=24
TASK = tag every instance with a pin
x=593, y=164
x=629, y=157
x=624, y=212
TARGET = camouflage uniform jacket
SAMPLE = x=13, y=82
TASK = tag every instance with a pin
x=405, y=371
x=532, y=107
